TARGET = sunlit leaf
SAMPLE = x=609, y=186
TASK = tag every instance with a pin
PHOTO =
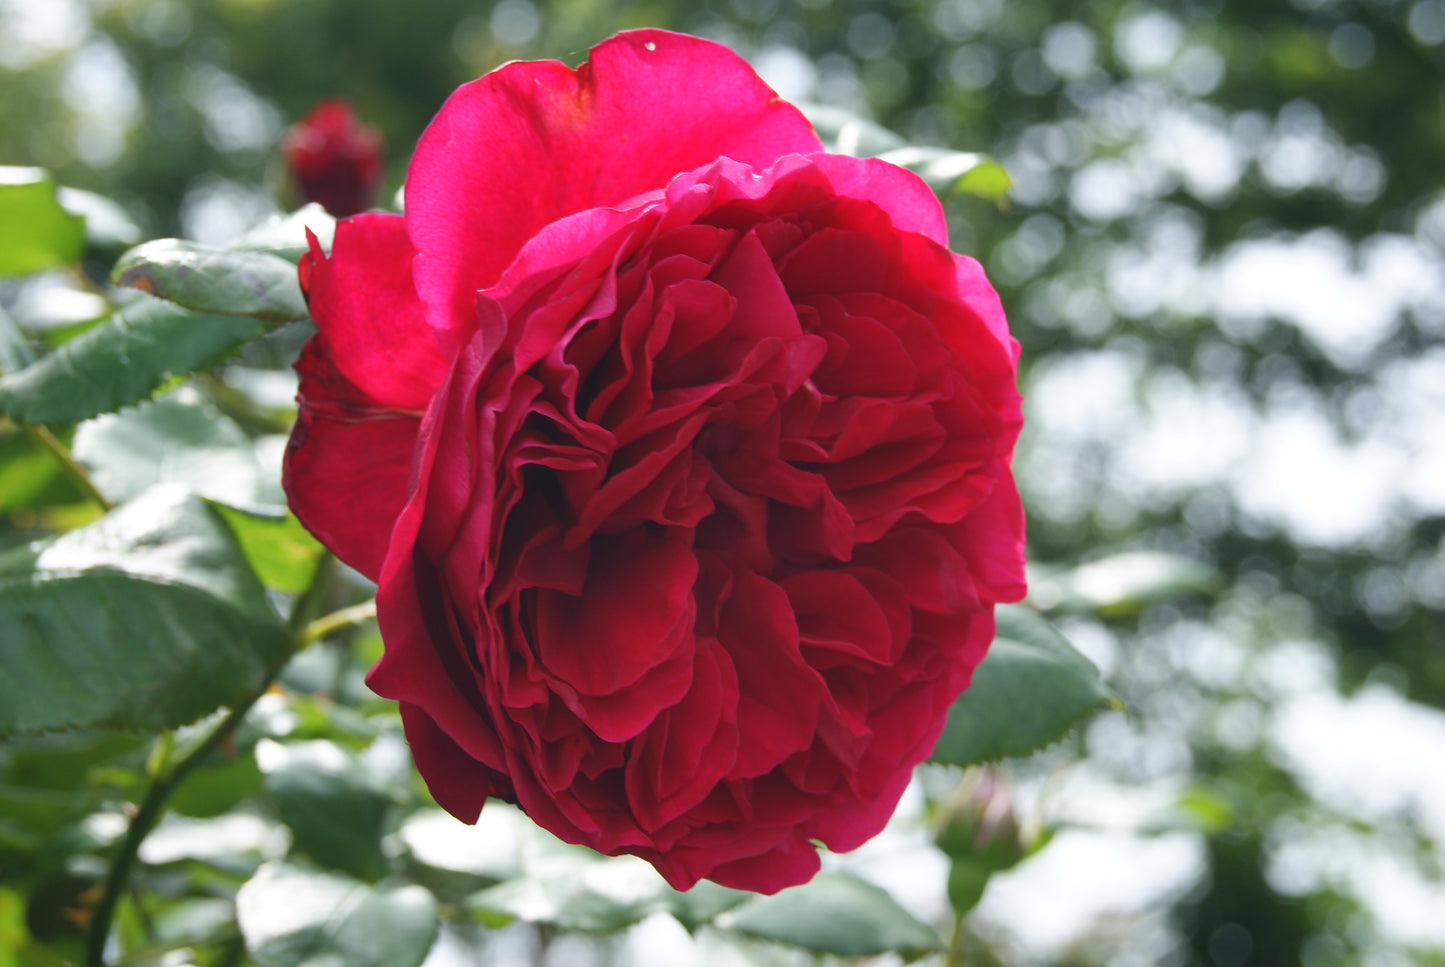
x=1028, y=692
x=1123, y=583
x=179, y=438
x=214, y=280
x=36, y=232
x=844, y=132
x=282, y=552
x=294, y=917
x=987, y=179
x=285, y=235
x=121, y=361
x=147, y=619
x=834, y=914
x=944, y=170
x=108, y=227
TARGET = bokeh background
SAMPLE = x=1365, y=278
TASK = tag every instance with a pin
x=1224, y=255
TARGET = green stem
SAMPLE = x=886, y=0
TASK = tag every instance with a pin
x=955, y=947
x=327, y=624
x=166, y=779
x=73, y=470
x=146, y=818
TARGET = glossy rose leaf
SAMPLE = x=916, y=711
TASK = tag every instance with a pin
x=179, y=438
x=334, y=806
x=147, y=619
x=122, y=360
x=835, y=914
x=214, y=280
x=36, y=232
x=283, y=554
x=1030, y=689
x=285, y=235
x=291, y=916
x=15, y=352
x=587, y=895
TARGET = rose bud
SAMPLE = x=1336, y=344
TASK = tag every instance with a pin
x=679, y=450
x=979, y=831
x=333, y=159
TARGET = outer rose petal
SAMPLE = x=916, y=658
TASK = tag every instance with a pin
x=346, y=466
x=368, y=314
x=534, y=141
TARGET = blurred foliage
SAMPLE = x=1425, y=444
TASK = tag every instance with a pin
x=1222, y=252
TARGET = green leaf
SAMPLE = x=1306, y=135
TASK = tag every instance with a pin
x=14, y=350
x=558, y=902
x=336, y=808
x=108, y=227
x=282, y=552
x=35, y=231
x=835, y=914
x=1028, y=691
x=944, y=170
x=147, y=619
x=214, y=280
x=220, y=840
x=30, y=476
x=987, y=179
x=845, y=132
x=285, y=235
x=1123, y=584
x=294, y=917
x=121, y=361
x=701, y=904
x=179, y=438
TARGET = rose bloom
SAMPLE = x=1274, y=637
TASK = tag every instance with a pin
x=333, y=159
x=679, y=450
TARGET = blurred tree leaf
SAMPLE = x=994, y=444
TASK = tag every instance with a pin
x=335, y=807
x=121, y=361
x=835, y=914
x=845, y=132
x=147, y=619
x=1123, y=583
x=987, y=179
x=947, y=171
x=282, y=552
x=213, y=280
x=179, y=438
x=1027, y=692
x=294, y=917
x=36, y=232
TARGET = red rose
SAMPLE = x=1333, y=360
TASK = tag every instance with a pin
x=680, y=452
x=333, y=159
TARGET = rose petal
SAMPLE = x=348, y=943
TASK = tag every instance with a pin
x=368, y=314
x=458, y=783
x=347, y=463
x=532, y=142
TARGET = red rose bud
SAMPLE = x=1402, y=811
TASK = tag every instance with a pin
x=679, y=450
x=333, y=159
